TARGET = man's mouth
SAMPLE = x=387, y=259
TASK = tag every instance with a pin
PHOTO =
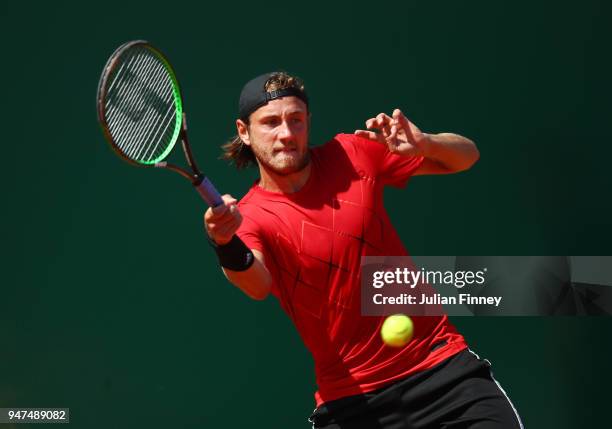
x=285, y=150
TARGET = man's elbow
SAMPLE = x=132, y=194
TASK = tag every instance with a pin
x=259, y=294
x=257, y=290
x=474, y=157
x=470, y=158
x=255, y=282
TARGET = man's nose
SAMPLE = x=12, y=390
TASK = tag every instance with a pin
x=285, y=132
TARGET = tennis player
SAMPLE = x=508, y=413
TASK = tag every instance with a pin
x=299, y=233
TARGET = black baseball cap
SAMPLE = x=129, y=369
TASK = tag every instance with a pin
x=254, y=95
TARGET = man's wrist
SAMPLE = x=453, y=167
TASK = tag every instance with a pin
x=217, y=242
x=233, y=255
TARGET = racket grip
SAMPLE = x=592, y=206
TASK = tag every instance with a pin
x=209, y=193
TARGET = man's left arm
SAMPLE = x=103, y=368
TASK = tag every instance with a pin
x=444, y=153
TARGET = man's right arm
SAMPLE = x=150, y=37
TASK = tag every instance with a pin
x=256, y=282
x=221, y=224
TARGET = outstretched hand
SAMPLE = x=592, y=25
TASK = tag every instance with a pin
x=222, y=222
x=396, y=132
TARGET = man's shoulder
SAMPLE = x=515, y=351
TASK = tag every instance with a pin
x=341, y=139
x=351, y=144
x=349, y=151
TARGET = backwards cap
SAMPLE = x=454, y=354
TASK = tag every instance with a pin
x=254, y=95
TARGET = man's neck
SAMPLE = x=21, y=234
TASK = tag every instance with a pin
x=288, y=184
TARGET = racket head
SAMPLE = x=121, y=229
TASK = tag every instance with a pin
x=139, y=103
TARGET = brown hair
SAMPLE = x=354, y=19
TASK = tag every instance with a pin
x=235, y=150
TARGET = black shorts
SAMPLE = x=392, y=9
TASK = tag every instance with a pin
x=460, y=392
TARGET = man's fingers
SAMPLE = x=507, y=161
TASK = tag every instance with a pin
x=230, y=214
x=391, y=140
x=390, y=127
x=231, y=201
x=223, y=231
x=227, y=230
x=222, y=227
x=367, y=134
x=401, y=119
x=219, y=211
x=383, y=119
x=231, y=221
x=395, y=131
x=404, y=124
x=379, y=121
x=371, y=135
x=392, y=133
x=228, y=201
x=223, y=219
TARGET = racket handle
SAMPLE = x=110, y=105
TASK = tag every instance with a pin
x=209, y=193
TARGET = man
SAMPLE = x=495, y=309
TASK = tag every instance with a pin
x=299, y=233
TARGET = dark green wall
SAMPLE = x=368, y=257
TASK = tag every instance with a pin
x=111, y=303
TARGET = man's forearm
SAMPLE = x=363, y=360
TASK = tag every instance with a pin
x=256, y=281
x=452, y=151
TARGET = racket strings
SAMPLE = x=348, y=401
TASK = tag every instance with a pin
x=134, y=101
x=132, y=149
x=123, y=124
x=138, y=118
x=131, y=124
x=140, y=107
x=118, y=99
x=152, y=136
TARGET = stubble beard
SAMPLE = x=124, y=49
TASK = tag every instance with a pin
x=270, y=163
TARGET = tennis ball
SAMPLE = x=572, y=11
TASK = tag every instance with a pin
x=397, y=330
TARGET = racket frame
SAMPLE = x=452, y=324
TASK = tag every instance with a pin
x=202, y=184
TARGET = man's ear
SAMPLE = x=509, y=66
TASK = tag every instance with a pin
x=243, y=131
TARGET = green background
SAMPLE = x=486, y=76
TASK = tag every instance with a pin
x=111, y=303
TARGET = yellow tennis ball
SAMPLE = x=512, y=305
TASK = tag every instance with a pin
x=397, y=330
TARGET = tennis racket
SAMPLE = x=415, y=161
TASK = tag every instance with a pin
x=141, y=112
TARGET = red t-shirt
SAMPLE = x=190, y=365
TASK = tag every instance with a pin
x=313, y=241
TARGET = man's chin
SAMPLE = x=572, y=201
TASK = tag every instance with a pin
x=290, y=167
x=287, y=170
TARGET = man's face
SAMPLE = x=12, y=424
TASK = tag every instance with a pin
x=278, y=135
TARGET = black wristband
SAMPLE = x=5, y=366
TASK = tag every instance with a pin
x=234, y=255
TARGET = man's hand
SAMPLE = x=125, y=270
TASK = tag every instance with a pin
x=223, y=221
x=396, y=132
x=221, y=224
